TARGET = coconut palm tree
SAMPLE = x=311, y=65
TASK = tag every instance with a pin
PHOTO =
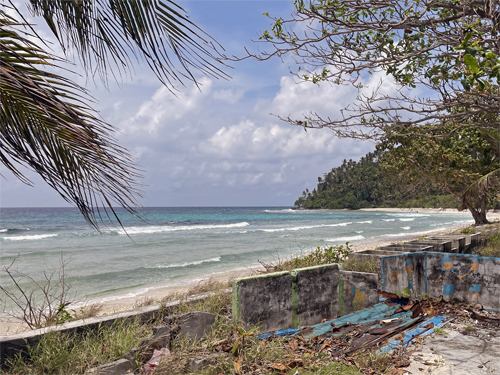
x=46, y=123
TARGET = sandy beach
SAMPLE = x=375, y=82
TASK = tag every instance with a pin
x=128, y=299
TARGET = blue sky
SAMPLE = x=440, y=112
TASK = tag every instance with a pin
x=219, y=146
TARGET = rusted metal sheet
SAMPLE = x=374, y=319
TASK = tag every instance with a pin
x=370, y=327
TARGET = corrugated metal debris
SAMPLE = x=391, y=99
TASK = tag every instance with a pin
x=387, y=326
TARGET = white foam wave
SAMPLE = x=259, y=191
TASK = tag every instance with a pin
x=409, y=214
x=388, y=219
x=185, y=264
x=364, y=222
x=29, y=238
x=406, y=228
x=407, y=219
x=3, y=230
x=414, y=233
x=351, y=238
x=282, y=210
x=170, y=228
x=358, y=231
x=306, y=227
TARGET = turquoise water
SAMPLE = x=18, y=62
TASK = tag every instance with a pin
x=176, y=244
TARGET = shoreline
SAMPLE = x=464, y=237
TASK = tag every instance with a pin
x=130, y=298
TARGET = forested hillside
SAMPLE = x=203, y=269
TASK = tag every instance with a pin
x=362, y=184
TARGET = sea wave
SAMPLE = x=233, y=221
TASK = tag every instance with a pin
x=413, y=233
x=305, y=227
x=351, y=238
x=388, y=219
x=13, y=230
x=172, y=228
x=364, y=222
x=186, y=264
x=29, y=238
x=406, y=228
x=407, y=219
x=282, y=210
x=358, y=231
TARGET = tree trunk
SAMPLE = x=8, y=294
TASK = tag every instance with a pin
x=479, y=214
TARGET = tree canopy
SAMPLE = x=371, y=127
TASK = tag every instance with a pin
x=452, y=163
x=446, y=49
x=364, y=184
x=46, y=123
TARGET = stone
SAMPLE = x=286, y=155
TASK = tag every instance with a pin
x=161, y=330
x=150, y=344
x=199, y=363
x=196, y=325
x=118, y=367
x=131, y=355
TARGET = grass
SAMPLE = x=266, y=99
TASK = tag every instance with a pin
x=320, y=256
x=353, y=264
x=253, y=355
x=492, y=248
x=64, y=353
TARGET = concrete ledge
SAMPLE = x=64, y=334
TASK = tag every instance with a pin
x=14, y=344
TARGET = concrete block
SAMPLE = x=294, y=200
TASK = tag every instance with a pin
x=457, y=242
x=371, y=254
x=408, y=248
x=357, y=290
x=264, y=300
x=315, y=294
x=438, y=245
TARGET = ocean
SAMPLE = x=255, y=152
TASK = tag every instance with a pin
x=174, y=245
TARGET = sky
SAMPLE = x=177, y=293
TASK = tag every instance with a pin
x=222, y=144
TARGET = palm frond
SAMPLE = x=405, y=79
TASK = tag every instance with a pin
x=105, y=32
x=46, y=125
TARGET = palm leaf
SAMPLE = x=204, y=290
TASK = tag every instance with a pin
x=46, y=126
x=106, y=32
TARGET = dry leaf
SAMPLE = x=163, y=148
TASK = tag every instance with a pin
x=279, y=367
x=398, y=371
x=294, y=345
x=238, y=365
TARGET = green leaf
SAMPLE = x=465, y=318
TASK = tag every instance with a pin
x=471, y=63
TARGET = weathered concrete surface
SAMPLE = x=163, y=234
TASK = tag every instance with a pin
x=457, y=354
x=462, y=277
x=264, y=299
x=357, y=290
x=364, y=255
x=408, y=248
x=196, y=325
x=13, y=344
x=458, y=242
x=471, y=279
x=438, y=245
x=405, y=272
x=315, y=294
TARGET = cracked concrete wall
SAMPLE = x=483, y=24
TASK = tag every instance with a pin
x=464, y=278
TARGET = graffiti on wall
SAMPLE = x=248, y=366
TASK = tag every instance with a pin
x=454, y=277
